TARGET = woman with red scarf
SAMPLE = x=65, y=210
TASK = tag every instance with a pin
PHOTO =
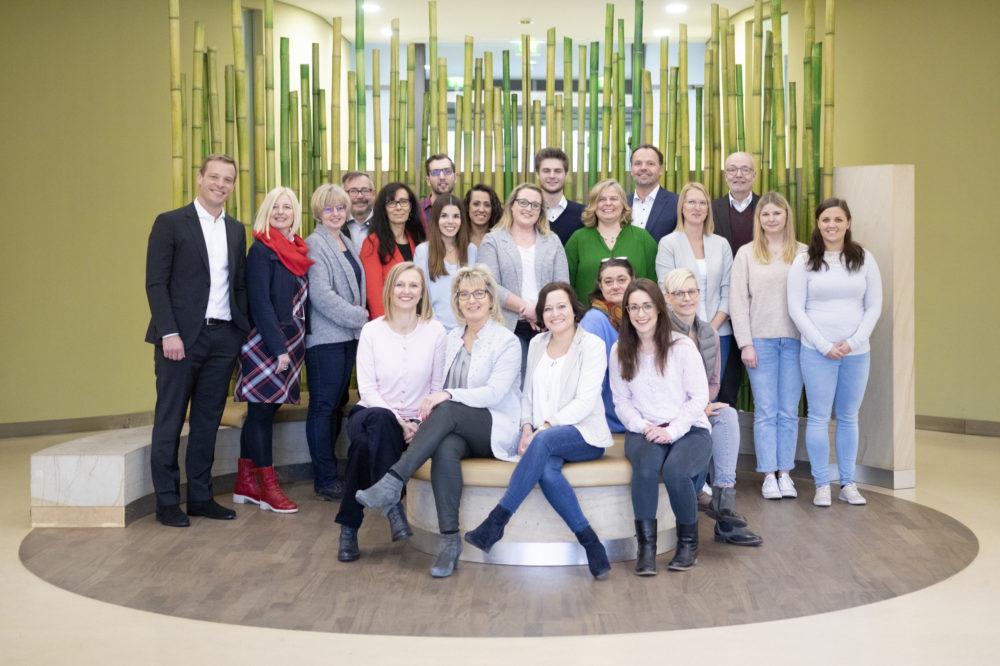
x=271, y=358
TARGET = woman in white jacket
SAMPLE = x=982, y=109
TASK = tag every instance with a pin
x=476, y=415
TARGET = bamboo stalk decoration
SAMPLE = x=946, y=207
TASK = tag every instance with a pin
x=185, y=154
x=726, y=120
x=698, y=101
x=709, y=123
x=206, y=119
x=214, y=110
x=747, y=79
x=477, y=123
x=550, y=89
x=176, y=104
x=741, y=144
x=442, y=110
x=335, y=101
x=733, y=103
x=567, y=112
x=242, y=114
x=377, y=117
x=259, y=132
x=508, y=163
x=489, y=131
x=306, y=133
x=230, y=78
x=318, y=169
x=413, y=148
x=395, y=172
x=647, y=106
x=197, y=98
x=808, y=156
x=293, y=142
x=620, y=136
x=781, y=183
x=672, y=129
x=269, y=91
x=361, y=82
x=432, y=58
x=684, y=175
x=352, y=121
x=817, y=113
x=756, y=99
x=793, y=186
x=468, y=83
x=828, y=99
x=499, y=173
x=609, y=35
x=765, y=139
x=557, y=129
x=638, y=93
x=322, y=173
x=592, y=170
x=283, y=140
x=536, y=123
x=425, y=127
x=664, y=141
x=525, y=103
x=581, y=113
x=459, y=131
x=515, y=123
x=716, y=172
x=401, y=170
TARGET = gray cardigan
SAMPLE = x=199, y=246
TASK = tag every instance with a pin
x=336, y=300
x=675, y=252
x=499, y=251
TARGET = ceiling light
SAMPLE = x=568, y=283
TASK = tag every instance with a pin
x=386, y=32
x=676, y=8
x=370, y=8
x=661, y=32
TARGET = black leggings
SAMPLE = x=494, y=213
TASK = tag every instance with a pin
x=255, y=439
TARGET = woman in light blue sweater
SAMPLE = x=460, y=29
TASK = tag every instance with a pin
x=446, y=249
x=835, y=299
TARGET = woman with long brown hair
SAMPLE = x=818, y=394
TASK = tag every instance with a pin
x=446, y=250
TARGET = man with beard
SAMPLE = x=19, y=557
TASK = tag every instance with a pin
x=551, y=171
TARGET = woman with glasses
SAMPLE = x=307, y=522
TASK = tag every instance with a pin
x=446, y=250
x=336, y=314
x=475, y=416
x=482, y=212
x=396, y=229
x=660, y=392
x=524, y=255
x=608, y=232
x=768, y=340
x=562, y=420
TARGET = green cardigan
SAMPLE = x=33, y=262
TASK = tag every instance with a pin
x=586, y=248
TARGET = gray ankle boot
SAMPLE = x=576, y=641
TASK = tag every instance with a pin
x=383, y=495
x=449, y=549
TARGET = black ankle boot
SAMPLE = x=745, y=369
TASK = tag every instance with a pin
x=737, y=536
x=490, y=530
x=645, y=534
x=348, y=551
x=597, y=557
x=687, y=548
x=721, y=508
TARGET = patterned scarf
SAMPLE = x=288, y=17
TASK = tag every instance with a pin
x=614, y=312
x=292, y=253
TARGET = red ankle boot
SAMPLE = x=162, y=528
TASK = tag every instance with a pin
x=246, y=489
x=271, y=497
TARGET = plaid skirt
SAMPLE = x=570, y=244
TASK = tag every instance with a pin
x=258, y=379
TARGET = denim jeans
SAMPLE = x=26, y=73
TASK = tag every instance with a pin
x=725, y=343
x=677, y=462
x=542, y=464
x=838, y=385
x=725, y=449
x=328, y=372
x=777, y=389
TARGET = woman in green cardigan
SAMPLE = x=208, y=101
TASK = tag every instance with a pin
x=608, y=232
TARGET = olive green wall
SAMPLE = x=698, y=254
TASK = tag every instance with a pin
x=86, y=143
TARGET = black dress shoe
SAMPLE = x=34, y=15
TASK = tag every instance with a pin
x=210, y=509
x=334, y=493
x=172, y=516
x=348, y=551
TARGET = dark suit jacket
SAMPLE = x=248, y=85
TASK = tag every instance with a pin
x=568, y=222
x=271, y=289
x=663, y=218
x=177, y=277
x=720, y=216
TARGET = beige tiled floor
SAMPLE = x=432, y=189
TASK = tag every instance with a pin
x=951, y=622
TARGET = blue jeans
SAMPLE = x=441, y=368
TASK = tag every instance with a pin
x=542, y=464
x=777, y=389
x=328, y=372
x=838, y=385
x=677, y=462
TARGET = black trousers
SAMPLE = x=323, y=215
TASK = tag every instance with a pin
x=732, y=376
x=202, y=379
x=376, y=443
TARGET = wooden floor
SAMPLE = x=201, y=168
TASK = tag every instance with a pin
x=281, y=571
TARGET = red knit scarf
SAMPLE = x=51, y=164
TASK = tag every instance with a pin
x=293, y=254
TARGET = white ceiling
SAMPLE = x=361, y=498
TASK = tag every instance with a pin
x=499, y=20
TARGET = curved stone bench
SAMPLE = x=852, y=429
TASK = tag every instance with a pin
x=536, y=535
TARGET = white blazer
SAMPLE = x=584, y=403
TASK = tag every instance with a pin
x=675, y=252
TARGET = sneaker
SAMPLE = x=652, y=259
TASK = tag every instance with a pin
x=849, y=493
x=770, y=489
x=822, y=497
x=786, y=486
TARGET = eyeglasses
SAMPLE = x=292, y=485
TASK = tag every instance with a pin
x=646, y=307
x=690, y=293
x=691, y=203
x=398, y=203
x=447, y=171
x=610, y=258
x=743, y=171
x=524, y=203
x=478, y=294
x=339, y=208
x=355, y=191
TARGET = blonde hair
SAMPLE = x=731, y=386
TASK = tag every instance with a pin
x=789, y=246
x=262, y=223
x=507, y=219
x=709, y=228
x=477, y=274
x=329, y=195
x=589, y=214
x=424, y=309
x=676, y=278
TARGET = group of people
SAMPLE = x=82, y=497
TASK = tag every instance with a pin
x=527, y=331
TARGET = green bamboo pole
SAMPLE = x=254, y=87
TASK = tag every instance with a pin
x=377, y=116
x=593, y=169
x=536, y=124
x=684, y=131
x=269, y=92
x=508, y=127
x=477, y=124
x=817, y=114
x=432, y=59
x=176, y=105
x=499, y=177
x=185, y=153
x=741, y=144
x=318, y=169
x=293, y=142
x=323, y=174
x=609, y=40
x=781, y=182
x=756, y=98
x=550, y=88
x=664, y=140
x=581, y=119
x=672, y=130
x=767, y=183
x=457, y=154
x=638, y=93
x=442, y=109
x=197, y=98
x=425, y=127
x=468, y=100
x=230, y=78
x=808, y=156
x=516, y=123
x=747, y=81
x=525, y=104
x=395, y=173
x=793, y=176
x=710, y=110
x=259, y=133
x=828, y=99
x=361, y=82
x=242, y=114
x=335, y=101
x=206, y=120
x=620, y=134
x=698, y=101
x=734, y=104
x=401, y=143
x=284, y=156
x=727, y=121
x=716, y=172
x=489, y=130
x=214, y=110
x=647, y=105
x=567, y=112
x=557, y=130
x=413, y=148
x=352, y=122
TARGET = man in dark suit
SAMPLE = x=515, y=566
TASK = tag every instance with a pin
x=551, y=171
x=653, y=208
x=196, y=287
x=733, y=218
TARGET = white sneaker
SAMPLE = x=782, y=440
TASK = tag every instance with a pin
x=707, y=489
x=786, y=486
x=770, y=489
x=849, y=493
x=822, y=497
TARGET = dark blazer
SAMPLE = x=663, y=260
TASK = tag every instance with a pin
x=720, y=216
x=271, y=289
x=177, y=277
x=663, y=218
x=568, y=222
